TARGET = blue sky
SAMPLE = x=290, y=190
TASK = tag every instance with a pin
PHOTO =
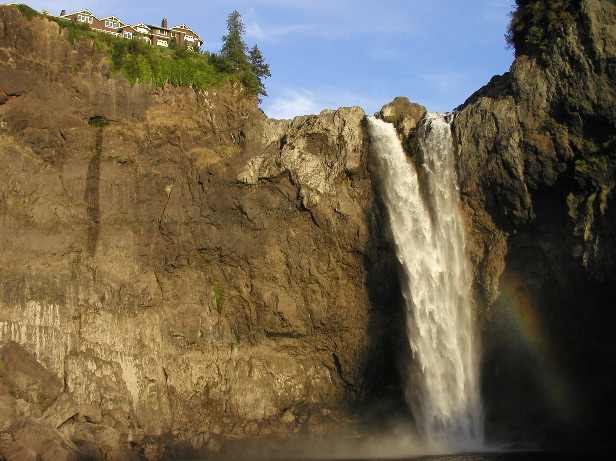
x=333, y=53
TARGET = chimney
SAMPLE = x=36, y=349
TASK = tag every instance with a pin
x=164, y=23
x=63, y=13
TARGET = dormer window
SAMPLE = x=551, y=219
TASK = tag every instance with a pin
x=84, y=18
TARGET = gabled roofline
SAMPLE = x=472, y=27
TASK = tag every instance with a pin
x=159, y=28
x=180, y=27
x=82, y=11
x=116, y=19
x=185, y=27
x=113, y=18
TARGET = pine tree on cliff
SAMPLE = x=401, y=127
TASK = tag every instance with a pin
x=252, y=66
x=259, y=67
x=233, y=46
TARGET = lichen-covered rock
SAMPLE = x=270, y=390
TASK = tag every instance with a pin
x=403, y=114
x=314, y=151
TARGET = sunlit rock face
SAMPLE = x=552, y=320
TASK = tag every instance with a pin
x=190, y=267
x=192, y=272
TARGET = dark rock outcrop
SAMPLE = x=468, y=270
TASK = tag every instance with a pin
x=537, y=162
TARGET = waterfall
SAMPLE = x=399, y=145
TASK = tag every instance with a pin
x=422, y=204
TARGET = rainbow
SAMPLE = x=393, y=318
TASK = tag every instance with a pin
x=521, y=311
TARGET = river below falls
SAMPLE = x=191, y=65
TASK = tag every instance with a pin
x=492, y=456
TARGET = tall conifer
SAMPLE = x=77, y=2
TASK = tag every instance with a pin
x=259, y=67
x=235, y=53
x=233, y=46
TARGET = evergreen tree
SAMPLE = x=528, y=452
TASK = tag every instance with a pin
x=259, y=68
x=257, y=62
x=233, y=46
x=235, y=58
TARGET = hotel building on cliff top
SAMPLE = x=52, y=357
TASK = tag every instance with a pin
x=161, y=35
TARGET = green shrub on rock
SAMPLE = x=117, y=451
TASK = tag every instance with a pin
x=536, y=24
x=218, y=296
x=140, y=62
x=27, y=12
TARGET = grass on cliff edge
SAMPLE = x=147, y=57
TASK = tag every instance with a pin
x=145, y=63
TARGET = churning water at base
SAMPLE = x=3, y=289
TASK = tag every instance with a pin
x=422, y=205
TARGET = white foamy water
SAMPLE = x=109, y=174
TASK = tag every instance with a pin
x=422, y=205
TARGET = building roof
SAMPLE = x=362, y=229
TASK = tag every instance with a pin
x=186, y=28
x=112, y=18
x=159, y=28
x=181, y=27
x=82, y=12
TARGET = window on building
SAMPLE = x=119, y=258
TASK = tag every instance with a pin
x=189, y=38
x=84, y=18
x=142, y=30
x=112, y=24
x=128, y=35
x=162, y=43
x=162, y=32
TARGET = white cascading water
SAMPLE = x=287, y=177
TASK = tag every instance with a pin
x=422, y=205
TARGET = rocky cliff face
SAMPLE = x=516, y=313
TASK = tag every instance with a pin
x=537, y=157
x=194, y=270
x=187, y=272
